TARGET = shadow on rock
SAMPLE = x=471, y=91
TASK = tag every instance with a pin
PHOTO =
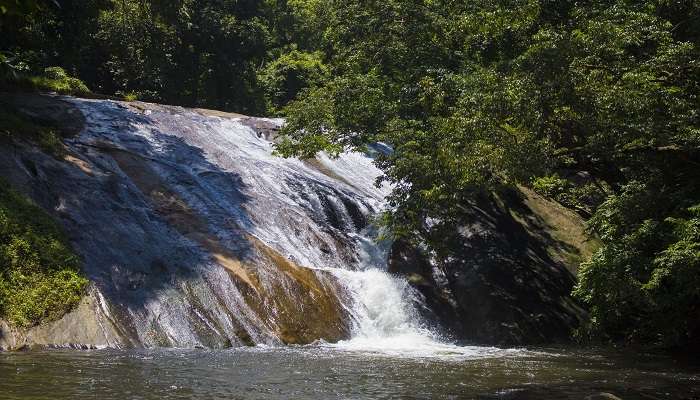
x=501, y=278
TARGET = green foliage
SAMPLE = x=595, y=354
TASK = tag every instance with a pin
x=21, y=7
x=551, y=186
x=39, y=273
x=130, y=96
x=643, y=285
x=56, y=80
x=286, y=76
x=583, y=197
x=194, y=53
x=10, y=68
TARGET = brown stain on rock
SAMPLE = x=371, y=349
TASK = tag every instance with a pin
x=316, y=164
x=300, y=304
x=305, y=303
x=81, y=164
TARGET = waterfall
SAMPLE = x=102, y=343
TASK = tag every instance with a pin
x=382, y=306
x=196, y=235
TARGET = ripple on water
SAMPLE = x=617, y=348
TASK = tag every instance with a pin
x=321, y=371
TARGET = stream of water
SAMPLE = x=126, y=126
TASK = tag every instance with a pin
x=343, y=371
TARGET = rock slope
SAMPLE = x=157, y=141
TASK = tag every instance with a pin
x=190, y=230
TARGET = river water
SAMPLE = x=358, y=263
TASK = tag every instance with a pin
x=324, y=371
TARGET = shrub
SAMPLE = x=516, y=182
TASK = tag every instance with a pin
x=583, y=197
x=129, y=96
x=550, y=186
x=643, y=284
x=55, y=79
x=56, y=73
x=283, y=78
x=10, y=67
x=39, y=273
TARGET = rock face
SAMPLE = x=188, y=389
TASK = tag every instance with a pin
x=88, y=326
x=190, y=230
x=508, y=273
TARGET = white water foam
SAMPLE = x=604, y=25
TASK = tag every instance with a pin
x=386, y=322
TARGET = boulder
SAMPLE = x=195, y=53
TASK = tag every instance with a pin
x=505, y=276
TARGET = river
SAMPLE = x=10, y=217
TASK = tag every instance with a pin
x=323, y=371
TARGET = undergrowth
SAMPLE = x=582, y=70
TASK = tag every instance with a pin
x=40, y=277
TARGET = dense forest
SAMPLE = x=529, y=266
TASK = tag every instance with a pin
x=593, y=104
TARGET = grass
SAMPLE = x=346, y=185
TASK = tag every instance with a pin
x=40, y=277
x=54, y=79
x=129, y=96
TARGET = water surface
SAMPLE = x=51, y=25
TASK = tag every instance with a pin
x=340, y=371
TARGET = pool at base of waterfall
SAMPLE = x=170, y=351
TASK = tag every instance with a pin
x=347, y=370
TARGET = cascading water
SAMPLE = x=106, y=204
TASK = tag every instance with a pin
x=383, y=315
x=381, y=306
x=214, y=241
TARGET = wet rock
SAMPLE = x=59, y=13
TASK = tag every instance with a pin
x=602, y=396
x=504, y=277
x=87, y=326
x=264, y=127
x=46, y=110
x=190, y=231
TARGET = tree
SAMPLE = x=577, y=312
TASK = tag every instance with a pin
x=474, y=95
x=285, y=77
